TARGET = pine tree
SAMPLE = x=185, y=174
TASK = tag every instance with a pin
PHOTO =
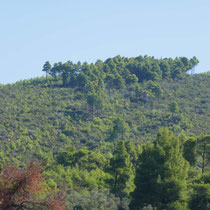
x=201, y=197
x=174, y=107
x=161, y=176
x=121, y=169
x=46, y=68
x=120, y=129
x=189, y=152
x=133, y=151
x=204, y=151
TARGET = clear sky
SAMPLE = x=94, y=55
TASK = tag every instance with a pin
x=35, y=31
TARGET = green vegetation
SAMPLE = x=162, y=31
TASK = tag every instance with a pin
x=98, y=130
x=161, y=178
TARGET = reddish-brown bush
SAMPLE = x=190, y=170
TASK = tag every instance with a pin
x=25, y=189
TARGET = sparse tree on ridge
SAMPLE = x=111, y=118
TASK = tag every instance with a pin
x=46, y=68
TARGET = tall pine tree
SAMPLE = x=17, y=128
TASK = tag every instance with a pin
x=161, y=176
x=121, y=169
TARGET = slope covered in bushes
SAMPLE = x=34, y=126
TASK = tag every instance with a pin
x=83, y=120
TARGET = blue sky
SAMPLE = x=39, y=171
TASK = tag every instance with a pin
x=35, y=31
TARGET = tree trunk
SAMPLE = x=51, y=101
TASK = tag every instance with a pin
x=115, y=183
x=203, y=162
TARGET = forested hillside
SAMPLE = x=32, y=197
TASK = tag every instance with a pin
x=94, y=127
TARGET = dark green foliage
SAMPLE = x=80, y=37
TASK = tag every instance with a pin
x=190, y=151
x=133, y=151
x=200, y=198
x=161, y=176
x=200, y=195
x=95, y=104
x=120, y=71
x=121, y=168
x=120, y=129
x=154, y=87
x=46, y=68
x=95, y=200
x=204, y=151
x=174, y=107
x=83, y=158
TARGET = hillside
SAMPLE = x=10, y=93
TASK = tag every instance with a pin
x=83, y=110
